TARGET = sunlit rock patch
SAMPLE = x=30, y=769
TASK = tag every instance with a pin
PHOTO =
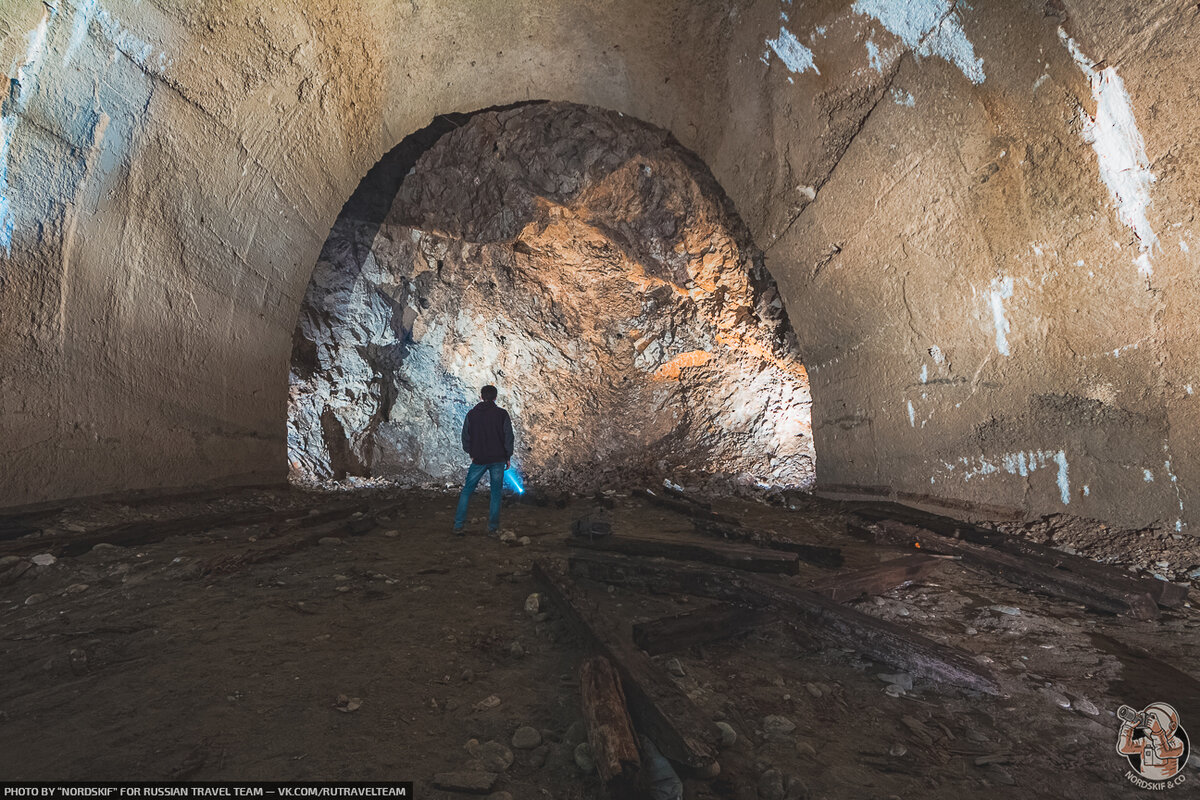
x=589, y=267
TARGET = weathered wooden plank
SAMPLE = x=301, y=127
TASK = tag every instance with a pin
x=140, y=532
x=819, y=555
x=1165, y=593
x=752, y=559
x=1027, y=572
x=610, y=731
x=822, y=617
x=876, y=579
x=685, y=508
x=680, y=631
x=659, y=708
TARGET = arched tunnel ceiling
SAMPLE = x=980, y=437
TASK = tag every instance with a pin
x=984, y=329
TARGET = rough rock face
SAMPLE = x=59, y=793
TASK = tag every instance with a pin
x=589, y=267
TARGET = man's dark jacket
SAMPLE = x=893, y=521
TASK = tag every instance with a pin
x=487, y=434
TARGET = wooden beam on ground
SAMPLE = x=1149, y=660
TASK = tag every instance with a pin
x=683, y=507
x=1165, y=593
x=877, y=579
x=680, y=631
x=140, y=532
x=819, y=555
x=752, y=559
x=1027, y=572
x=820, y=616
x=610, y=731
x=660, y=709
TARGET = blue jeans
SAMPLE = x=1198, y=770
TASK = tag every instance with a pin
x=496, y=479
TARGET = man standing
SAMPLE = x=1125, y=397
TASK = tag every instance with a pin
x=487, y=435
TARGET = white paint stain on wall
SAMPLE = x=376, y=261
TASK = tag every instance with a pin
x=1120, y=150
x=928, y=28
x=1001, y=290
x=23, y=78
x=794, y=55
x=1022, y=463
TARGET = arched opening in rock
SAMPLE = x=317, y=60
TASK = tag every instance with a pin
x=587, y=265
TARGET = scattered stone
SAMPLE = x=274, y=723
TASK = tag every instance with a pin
x=494, y=756
x=576, y=733
x=971, y=631
x=508, y=537
x=770, y=785
x=728, y=734
x=34, y=599
x=43, y=559
x=516, y=650
x=537, y=758
x=524, y=541
x=675, y=668
x=76, y=588
x=1058, y=698
x=805, y=748
x=1000, y=775
x=813, y=689
x=347, y=704
x=1086, y=706
x=526, y=738
x=102, y=546
x=489, y=702
x=465, y=781
x=392, y=533
x=774, y=725
x=583, y=757
x=892, y=690
x=897, y=750
x=533, y=603
x=467, y=676
x=328, y=540
x=79, y=661
x=901, y=679
x=1010, y=610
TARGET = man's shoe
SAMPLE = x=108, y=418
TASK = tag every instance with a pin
x=493, y=533
x=459, y=532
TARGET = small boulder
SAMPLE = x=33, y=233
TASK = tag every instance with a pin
x=526, y=738
x=775, y=725
x=329, y=540
x=533, y=603
x=583, y=757
x=728, y=734
x=43, y=559
x=494, y=756
x=770, y=785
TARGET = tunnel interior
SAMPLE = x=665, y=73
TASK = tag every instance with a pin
x=849, y=347
x=589, y=266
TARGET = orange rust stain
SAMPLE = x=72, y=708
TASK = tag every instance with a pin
x=672, y=369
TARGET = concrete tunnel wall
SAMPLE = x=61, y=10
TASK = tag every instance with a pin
x=982, y=329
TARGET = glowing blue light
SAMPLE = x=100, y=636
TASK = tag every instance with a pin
x=514, y=479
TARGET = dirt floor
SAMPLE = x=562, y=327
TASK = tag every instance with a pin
x=383, y=655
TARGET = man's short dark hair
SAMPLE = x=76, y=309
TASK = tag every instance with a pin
x=488, y=392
